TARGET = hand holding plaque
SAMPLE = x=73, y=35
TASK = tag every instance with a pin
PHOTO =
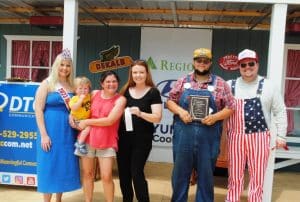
x=199, y=107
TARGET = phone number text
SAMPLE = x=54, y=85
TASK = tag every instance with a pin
x=20, y=134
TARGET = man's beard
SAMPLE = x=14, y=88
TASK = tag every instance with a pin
x=201, y=73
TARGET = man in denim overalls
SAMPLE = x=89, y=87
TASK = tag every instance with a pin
x=196, y=142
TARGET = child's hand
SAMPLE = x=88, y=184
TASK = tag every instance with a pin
x=82, y=96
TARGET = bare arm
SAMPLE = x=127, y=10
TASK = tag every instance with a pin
x=208, y=120
x=221, y=115
x=40, y=100
x=76, y=105
x=182, y=113
x=153, y=117
x=113, y=116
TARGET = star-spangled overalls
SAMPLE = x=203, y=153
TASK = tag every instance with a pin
x=195, y=146
x=248, y=141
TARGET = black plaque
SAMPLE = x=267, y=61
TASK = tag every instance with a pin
x=198, y=107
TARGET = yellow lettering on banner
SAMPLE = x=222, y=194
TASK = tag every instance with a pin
x=99, y=66
x=10, y=162
x=17, y=162
x=29, y=163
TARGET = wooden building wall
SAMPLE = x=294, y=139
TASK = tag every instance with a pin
x=230, y=41
x=93, y=39
x=6, y=29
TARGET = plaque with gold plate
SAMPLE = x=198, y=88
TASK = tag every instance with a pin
x=198, y=107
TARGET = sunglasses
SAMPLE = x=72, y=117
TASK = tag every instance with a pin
x=204, y=61
x=250, y=64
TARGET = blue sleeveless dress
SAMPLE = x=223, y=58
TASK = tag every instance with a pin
x=58, y=169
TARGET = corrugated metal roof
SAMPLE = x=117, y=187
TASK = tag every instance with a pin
x=151, y=13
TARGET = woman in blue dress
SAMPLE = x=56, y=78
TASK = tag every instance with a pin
x=57, y=167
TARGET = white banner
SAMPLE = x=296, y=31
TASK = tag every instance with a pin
x=169, y=53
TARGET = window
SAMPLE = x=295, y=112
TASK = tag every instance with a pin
x=292, y=87
x=31, y=57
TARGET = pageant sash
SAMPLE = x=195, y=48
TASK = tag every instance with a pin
x=64, y=95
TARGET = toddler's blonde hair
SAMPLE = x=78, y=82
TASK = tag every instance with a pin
x=82, y=80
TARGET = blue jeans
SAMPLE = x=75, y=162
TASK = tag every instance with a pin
x=194, y=146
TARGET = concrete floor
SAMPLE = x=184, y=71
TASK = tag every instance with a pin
x=286, y=188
